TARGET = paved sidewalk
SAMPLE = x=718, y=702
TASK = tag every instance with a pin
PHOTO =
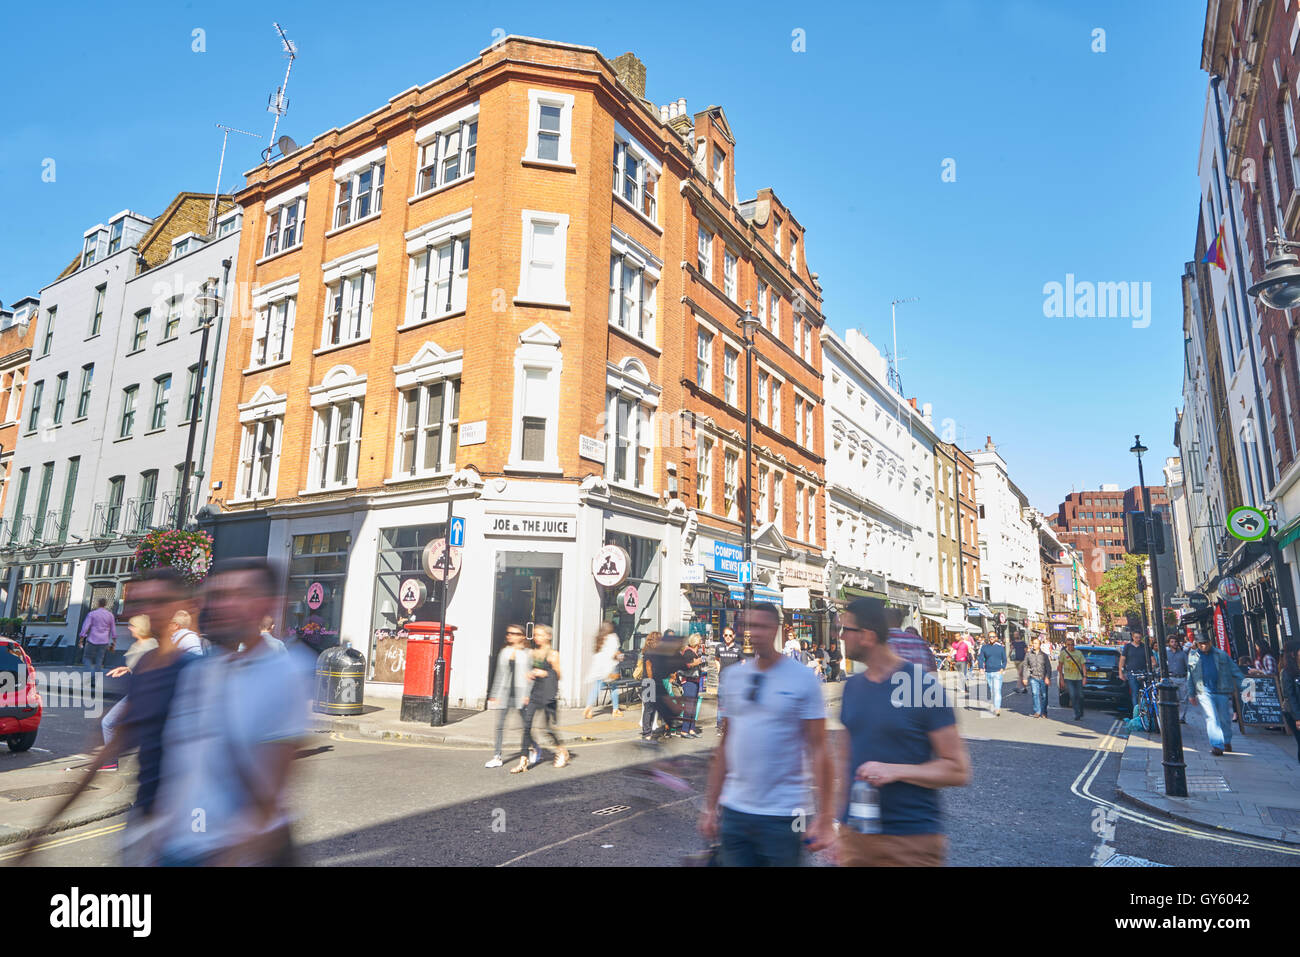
x=478, y=730
x=1255, y=790
x=29, y=796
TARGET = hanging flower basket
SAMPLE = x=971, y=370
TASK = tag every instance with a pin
x=190, y=553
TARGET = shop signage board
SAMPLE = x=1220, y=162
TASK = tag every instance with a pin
x=745, y=573
x=473, y=433
x=315, y=595
x=1220, y=630
x=1248, y=524
x=609, y=566
x=519, y=525
x=722, y=556
x=1261, y=703
x=692, y=574
x=630, y=599
x=796, y=599
x=801, y=574
x=411, y=594
x=589, y=448
x=437, y=560
x=1230, y=588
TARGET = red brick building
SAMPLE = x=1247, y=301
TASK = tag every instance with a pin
x=1093, y=522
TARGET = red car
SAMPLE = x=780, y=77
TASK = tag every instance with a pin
x=20, y=701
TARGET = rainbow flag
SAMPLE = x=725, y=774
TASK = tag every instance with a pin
x=1214, y=255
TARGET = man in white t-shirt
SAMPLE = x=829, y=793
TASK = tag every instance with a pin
x=760, y=801
x=235, y=724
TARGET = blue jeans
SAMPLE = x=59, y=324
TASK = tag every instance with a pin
x=1218, y=717
x=1135, y=693
x=994, y=678
x=757, y=840
x=108, y=723
x=1075, y=686
x=1038, y=688
x=596, y=687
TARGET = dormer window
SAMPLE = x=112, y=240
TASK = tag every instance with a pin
x=720, y=170
x=115, y=237
x=636, y=174
x=91, y=250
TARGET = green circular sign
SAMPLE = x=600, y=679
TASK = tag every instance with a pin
x=1248, y=524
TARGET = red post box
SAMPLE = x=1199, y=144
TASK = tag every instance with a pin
x=421, y=653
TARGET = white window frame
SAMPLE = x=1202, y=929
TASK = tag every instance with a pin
x=637, y=317
x=776, y=233
x=447, y=427
x=628, y=384
x=704, y=253
x=730, y=264
x=564, y=148
x=760, y=295
x=539, y=351
x=704, y=359
x=777, y=385
x=774, y=301
x=778, y=497
x=279, y=236
x=730, y=365
x=349, y=297
x=794, y=252
x=275, y=308
x=530, y=289
x=432, y=142
x=731, y=483
x=648, y=171
x=719, y=170
x=799, y=490
x=342, y=387
x=763, y=379
x=348, y=196
x=763, y=479
x=704, y=474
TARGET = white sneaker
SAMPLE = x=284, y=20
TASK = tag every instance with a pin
x=495, y=762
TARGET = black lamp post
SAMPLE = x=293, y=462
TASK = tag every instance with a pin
x=1171, y=733
x=748, y=324
x=209, y=302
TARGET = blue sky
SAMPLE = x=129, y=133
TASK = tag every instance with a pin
x=1066, y=161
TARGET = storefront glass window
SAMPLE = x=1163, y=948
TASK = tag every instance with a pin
x=317, y=573
x=634, y=620
x=44, y=592
x=400, y=558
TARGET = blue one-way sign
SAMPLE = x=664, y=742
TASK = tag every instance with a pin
x=457, y=533
x=746, y=574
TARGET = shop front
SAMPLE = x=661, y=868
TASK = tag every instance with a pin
x=803, y=596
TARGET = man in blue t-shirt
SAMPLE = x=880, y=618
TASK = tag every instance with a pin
x=903, y=741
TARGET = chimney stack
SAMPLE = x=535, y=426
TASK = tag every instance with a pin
x=631, y=73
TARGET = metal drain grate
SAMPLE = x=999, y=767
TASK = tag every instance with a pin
x=42, y=791
x=1197, y=782
x=613, y=809
x=1285, y=816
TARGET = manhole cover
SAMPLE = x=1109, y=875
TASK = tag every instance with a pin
x=1128, y=860
x=613, y=809
x=1286, y=816
x=42, y=791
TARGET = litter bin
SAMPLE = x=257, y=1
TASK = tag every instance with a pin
x=421, y=653
x=340, y=680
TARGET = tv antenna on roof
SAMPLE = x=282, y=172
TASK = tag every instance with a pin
x=212, y=210
x=278, y=102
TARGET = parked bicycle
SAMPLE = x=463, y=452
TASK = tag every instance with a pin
x=1148, y=704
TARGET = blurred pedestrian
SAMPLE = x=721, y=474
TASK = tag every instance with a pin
x=692, y=681
x=760, y=798
x=1176, y=658
x=903, y=747
x=542, y=695
x=1264, y=662
x=268, y=635
x=98, y=634
x=603, y=671
x=151, y=685
x=1291, y=689
x=648, y=709
x=143, y=643
x=183, y=635
x=833, y=657
x=730, y=653
x=238, y=718
x=909, y=647
x=510, y=685
x=1212, y=678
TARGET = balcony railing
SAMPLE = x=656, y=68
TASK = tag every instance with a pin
x=107, y=520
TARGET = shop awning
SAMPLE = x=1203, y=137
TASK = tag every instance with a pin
x=851, y=593
x=760, y=593
x=1288, y=534
x=961, y=627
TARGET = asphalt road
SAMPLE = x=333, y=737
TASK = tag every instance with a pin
x=1043, y=794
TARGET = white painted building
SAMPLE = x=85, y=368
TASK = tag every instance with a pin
x=1009, y=564
x=880, y=478
x=105, y=421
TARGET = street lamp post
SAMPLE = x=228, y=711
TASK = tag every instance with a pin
x=209, y=302
x=1171, y=734
x=748, y=324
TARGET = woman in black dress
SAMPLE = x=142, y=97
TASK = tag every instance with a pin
x=542, y=700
